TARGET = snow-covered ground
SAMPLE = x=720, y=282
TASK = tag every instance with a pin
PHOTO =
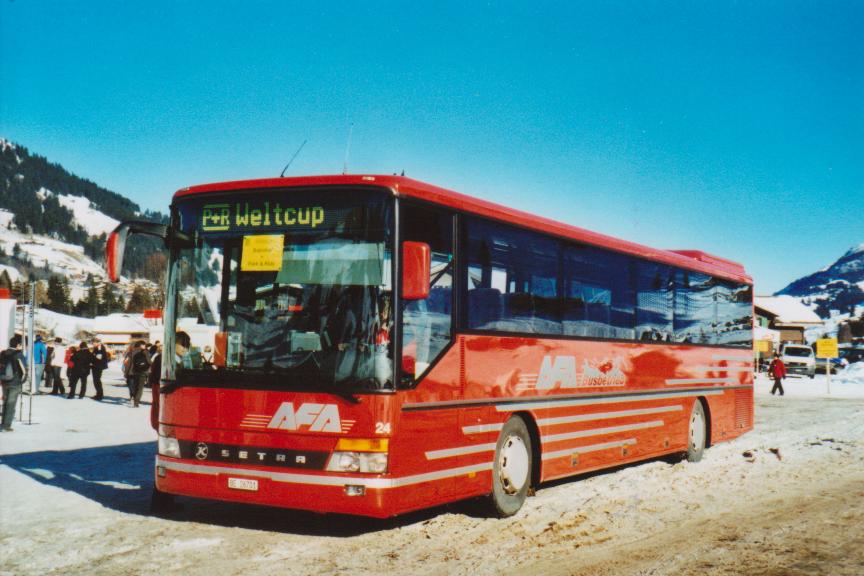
x=786, y=498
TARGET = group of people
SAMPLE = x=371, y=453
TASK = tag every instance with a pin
x=141, y=362
x=80, y=360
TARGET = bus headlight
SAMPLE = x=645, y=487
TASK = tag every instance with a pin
x=169, y=447
x=371, y=462
x=360, y=455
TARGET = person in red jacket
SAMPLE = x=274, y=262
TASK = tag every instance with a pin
x=777, y=370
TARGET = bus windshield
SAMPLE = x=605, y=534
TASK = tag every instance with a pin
x=288, y=289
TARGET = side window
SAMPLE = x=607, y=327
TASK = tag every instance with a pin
x=512, y=280
x=695, y=307
x=654, y=301
x=734, y=314
x=598, y=297
x=426, y=324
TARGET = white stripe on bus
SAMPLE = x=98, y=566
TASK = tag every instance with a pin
x=316, y=480
x=590, y=448
x=481, y=428
x=685, y=381
x=542, y=405
x=732, y=358
x=550, y=438
x=460, y=451
x=607, y=415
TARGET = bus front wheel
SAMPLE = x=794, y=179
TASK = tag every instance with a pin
x=511, y=469
x=697, y=432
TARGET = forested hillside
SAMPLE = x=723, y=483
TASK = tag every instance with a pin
x=31, y=188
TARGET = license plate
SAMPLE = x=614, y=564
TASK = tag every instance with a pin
x=243, y=484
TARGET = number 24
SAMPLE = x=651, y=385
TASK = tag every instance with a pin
x=382, y=428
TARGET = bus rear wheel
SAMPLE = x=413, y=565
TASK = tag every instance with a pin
x=697, y=432
x=511, y=469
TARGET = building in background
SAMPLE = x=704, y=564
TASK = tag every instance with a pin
x=786, y=315
x=118, y=329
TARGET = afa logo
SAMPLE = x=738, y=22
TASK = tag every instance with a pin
x=561, y=372
x=317, y=417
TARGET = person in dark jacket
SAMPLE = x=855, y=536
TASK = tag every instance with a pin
x=155, y=366
x=139, y=370
x=82, y=362
x=777, y=370
x=14, y=358
x=101, y=356
x=49, y=356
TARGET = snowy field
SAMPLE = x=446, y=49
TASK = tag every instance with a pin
x=784, y=499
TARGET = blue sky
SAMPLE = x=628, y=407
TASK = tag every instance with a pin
x=735, y=127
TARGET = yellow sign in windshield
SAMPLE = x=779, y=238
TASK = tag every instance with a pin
x=262, y=253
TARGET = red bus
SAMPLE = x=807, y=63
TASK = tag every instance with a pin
x=373, y=345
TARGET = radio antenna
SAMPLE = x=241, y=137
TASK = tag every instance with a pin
x=348, y=149
x=292, y=158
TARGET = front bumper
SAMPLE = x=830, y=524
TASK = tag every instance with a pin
x=803, y=370
x=381, y=496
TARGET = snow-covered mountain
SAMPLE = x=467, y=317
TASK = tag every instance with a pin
x=838, y=287
x=54, y=224
x=43, y=199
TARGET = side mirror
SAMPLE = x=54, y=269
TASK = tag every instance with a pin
x=115, y=248
x=416, y=268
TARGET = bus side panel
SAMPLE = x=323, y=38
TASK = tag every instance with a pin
x=429, y=440
x=632, y=400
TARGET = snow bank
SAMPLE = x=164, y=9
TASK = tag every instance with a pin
x=62, y=325
x=90, y=219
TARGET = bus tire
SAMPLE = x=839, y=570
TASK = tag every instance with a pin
x=697, y=432
x=511, y=469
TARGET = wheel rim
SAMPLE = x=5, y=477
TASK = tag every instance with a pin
x=697, y=428
x=513, y=464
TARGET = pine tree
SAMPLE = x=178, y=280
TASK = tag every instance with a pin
x=110, y=303
x=57, y=295
x=91, y=302
x=140, y=300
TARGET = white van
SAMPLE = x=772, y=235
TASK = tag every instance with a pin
x=799, y=359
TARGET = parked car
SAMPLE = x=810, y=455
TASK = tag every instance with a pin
x=852, y=355
x=799, y=359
